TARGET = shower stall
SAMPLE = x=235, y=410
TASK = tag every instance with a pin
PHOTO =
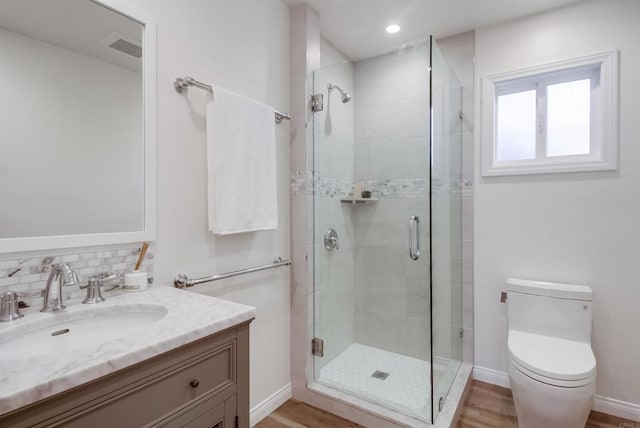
x=387, y=245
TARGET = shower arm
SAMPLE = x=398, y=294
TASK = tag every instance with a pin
x=331, y=86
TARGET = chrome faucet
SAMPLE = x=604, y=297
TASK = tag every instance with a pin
x=61, y=275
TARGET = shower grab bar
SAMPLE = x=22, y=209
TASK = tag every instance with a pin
x=414, y=229
x=182, y=83
x=182, y=280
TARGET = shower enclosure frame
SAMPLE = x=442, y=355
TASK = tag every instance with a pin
x=312, y=381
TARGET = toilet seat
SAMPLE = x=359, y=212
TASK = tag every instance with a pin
x=552, y=360
x=551, y=381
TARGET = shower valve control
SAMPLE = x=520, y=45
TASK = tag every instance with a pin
x=331, y=240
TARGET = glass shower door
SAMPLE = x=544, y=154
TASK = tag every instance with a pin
x=446, y=227
x=371, y=229
x=334, y=291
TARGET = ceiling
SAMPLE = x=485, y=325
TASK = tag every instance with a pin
x=77, y=25
x=356, y=27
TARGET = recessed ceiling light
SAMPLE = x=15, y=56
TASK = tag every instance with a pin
x=393, y=28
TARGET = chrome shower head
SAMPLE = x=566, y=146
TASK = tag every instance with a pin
x=345, y=95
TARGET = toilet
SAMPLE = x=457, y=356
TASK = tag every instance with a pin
x=552, y=368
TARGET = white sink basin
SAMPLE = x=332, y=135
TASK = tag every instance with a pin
x=63, y=332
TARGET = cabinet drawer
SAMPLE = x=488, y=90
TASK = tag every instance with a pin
x=208, y=374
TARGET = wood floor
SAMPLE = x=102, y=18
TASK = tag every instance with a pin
x=492, y=406
x=486, y=406
x=294, y=414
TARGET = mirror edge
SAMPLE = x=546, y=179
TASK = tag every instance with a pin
x=15, y=245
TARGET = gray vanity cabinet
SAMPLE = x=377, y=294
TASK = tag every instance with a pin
x=203, y=384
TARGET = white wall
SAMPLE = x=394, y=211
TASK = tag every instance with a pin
x=241, y=45
x=581, y=228
x=70, y=133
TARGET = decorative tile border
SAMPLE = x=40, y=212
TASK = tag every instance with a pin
x=299, y=180
x=329, y=187
x=388, y=188
x=28, y=276
x=397, y=188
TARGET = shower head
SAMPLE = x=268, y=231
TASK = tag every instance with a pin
x=345, y=95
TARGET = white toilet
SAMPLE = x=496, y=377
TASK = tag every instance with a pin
x=551, y=365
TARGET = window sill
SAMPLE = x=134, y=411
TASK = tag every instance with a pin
x=537, y=167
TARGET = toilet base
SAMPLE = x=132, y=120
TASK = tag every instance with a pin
x=540, y=405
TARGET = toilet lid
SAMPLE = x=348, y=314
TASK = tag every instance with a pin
x=552, y=357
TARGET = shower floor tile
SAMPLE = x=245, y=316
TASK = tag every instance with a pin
x=405, y=389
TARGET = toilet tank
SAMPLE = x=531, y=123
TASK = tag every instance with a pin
x=550, y=309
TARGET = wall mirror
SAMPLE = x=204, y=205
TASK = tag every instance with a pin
x=77, y=124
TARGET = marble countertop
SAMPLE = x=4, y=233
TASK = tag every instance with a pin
x=190, y=316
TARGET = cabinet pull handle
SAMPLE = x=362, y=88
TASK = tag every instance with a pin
x=194, y=383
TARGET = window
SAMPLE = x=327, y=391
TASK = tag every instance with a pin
x=555, y=118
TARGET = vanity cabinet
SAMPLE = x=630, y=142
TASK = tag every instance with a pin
x=201, y=384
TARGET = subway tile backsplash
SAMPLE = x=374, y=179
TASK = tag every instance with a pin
x=28, y=275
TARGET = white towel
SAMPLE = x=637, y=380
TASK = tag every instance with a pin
x=241, y=160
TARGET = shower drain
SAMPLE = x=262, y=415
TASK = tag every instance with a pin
x=380, y=375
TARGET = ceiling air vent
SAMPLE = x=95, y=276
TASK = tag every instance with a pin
x=127, y=47
x=123, y=43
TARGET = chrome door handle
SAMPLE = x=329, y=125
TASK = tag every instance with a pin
x=414, y=230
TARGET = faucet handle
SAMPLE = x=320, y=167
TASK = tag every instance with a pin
x=100, y=280
x=106, y=278
x=94, y=294
x=9, y=309
x=92, y=281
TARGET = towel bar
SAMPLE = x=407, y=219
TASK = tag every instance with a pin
x=182, y=83
x=183, y=281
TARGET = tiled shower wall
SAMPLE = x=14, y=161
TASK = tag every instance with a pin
x=27, y=275
x=392, y=160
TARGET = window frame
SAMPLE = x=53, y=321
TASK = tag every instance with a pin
x=602, y=70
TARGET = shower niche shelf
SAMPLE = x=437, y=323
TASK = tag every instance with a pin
x=354, y=201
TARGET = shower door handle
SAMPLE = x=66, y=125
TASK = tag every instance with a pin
x=414, y=237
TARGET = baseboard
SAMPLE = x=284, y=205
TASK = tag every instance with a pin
x=275, y=400
x=491, y=376
x=610, y=406
x=621, y=409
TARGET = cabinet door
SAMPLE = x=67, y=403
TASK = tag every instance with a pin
x=214, y=418
x=209, y=418
x=205, y=415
